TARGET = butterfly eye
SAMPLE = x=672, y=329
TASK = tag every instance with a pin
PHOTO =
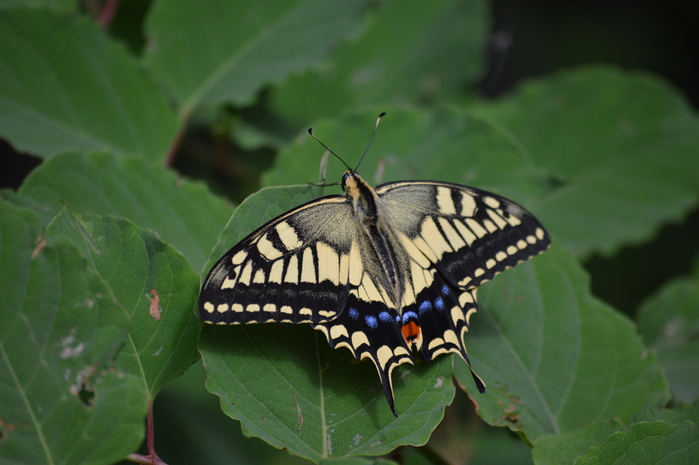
x=345, y=177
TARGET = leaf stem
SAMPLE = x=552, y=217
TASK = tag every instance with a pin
x=152, y=457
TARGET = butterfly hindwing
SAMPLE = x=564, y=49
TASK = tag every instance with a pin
x=369, y=329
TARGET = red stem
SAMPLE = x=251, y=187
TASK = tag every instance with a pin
x=152, y=457
x=107, y=13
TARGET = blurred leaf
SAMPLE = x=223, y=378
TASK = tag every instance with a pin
x=55, y=5
x=669, y=323
x=554, y=357
x=183, y=213
x=184, y=409
x=65, y=86
x=677, y=414
x=622, y=146
x=413, y=53
x=62, y=402
x=444, y=145
x=564, y=448
x=648, y=443
x=154, y=284
x=210, y=52
x=462, y=437
x=288, y=387
x=561, y=448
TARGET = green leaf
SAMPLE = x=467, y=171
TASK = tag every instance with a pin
x=286, y=386
x=413, y=53
x=357, y=461
x=679, y=413
x=153, y=283
x=565, y=447
x=183, y=213
x=62, y=402
x=289, y=388
x=55, y=5
x=621, y=147
x=669, y=323
x=210, y=52
x=554, y=357
x=648, y=443
x=561, y=448
x=65, y=86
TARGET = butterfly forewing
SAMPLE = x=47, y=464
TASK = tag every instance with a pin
x=467, y=234
x=294, y=269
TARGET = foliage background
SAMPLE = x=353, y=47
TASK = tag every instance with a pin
x=605, y=155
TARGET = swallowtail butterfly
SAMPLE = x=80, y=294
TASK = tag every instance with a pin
x=380, y=271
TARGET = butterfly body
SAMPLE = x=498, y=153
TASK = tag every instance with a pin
x=379, y=271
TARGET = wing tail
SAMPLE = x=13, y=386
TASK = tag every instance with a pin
x=369, y=330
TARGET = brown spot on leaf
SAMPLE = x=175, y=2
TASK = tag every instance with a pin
x=154, y=309
x=40, y=244
x=299, y=417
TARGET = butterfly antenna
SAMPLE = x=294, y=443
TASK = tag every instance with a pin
x=370, y=140
x=310, y=131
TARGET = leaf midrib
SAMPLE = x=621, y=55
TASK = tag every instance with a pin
x=233, y=59
x=27, y=404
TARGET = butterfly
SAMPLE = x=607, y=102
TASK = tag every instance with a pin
x=381, y=271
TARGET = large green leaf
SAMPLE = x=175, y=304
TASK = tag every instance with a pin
x=153, y=283
x=183, y=213
x=566, y=447
x=669, y=323
x=622, y=147
x=62, y=402
x=648, y=443
x=554, y=357
x=414, y=52
x=286, y=386
x=208, y=52
x=555, y=449
x=541, y=339
x=65, y=86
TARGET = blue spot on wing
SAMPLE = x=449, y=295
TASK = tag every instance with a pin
x=425, y=306
x=371, y=321
x=445, y=290
x=353, y=313
x=385, y=317
x=439, y=303
x=408, y=316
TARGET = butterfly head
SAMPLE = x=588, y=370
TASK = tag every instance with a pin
x=356, y=188
x=349, y=180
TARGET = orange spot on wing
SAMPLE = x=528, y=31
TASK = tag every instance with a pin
x=411, y=332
